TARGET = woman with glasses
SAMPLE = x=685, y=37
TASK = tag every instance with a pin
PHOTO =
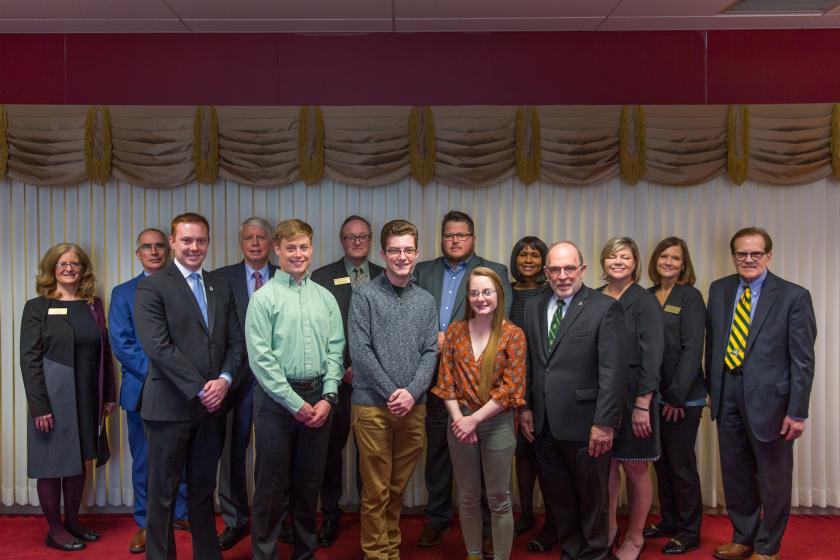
x=482, y=382
x=68, y=377
x=637, y=440
x=683, y=396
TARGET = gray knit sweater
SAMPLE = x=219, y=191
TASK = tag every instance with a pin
x=393, y=341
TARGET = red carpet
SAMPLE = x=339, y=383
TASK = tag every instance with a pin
x=809, y=537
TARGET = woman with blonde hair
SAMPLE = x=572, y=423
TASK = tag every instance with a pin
x=482, y=381
x=68, y=377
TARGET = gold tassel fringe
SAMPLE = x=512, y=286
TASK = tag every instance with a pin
x=421, y=144
x=311, y=144
x=528, y=148
x=4, y=142
x=632, y=147
x=206, y=145
x=98, y=145
x=835, y=140
x=737, y=143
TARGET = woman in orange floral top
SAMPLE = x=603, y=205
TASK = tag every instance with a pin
x=482, y=381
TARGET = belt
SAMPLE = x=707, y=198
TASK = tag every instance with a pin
x=737, y=371
x=306, y=384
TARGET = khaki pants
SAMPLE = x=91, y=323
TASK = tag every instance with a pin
x=389, y=448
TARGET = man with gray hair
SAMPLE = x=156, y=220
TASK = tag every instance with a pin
x=245, y=278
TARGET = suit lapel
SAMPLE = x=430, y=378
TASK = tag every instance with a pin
x=574, y=311
x=182, y=287
x=239, y=285
x=766, y=299
x=729, y=291
x=543, y=320
x=461, y=294
x=210, y=289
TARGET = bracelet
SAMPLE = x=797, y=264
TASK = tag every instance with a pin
x=637, y=407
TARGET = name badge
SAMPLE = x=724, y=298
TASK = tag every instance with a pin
x=57, y=311
x=673, y=309
x=340, y=281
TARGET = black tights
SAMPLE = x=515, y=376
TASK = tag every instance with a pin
x=49, y=493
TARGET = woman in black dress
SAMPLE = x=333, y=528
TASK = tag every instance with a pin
x=68, y=377
x=683, y=396
x=637, y=441
x=526, y=265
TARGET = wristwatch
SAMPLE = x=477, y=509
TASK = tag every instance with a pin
x=331, y=398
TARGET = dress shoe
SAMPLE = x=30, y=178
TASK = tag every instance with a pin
x=84, y=535
x=757, y=556
x=231, y=535
x=524, y=524
x=287, y=531
x=181, y=525
x=544, y=541
x=138, y=542
x=657, y=531
x=733, y=551
x=676, y=546
x=73, y=546
x=328, y=533
x=487, y=546
x=430, y=535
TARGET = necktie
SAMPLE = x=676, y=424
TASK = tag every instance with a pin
x=740, y=331
x=358, y=278
x=555, y=323
x=258, y=282
x=198, y=292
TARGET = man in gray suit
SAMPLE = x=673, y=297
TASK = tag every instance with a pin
x=760, y=364
x=444, y=279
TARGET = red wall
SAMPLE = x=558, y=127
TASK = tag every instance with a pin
x=794, y=66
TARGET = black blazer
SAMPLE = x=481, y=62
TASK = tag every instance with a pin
x=779, y=358
x=235, y=276
x=581, y=381
x=183, y=352
x=684, y=319
x=326, y=276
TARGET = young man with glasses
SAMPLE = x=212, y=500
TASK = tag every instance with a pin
x=342, y=278
x=444, y=279
x=393, y=346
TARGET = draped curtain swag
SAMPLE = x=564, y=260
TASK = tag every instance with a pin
x=475, y=146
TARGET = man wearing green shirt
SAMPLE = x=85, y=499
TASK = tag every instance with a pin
x=295, y=339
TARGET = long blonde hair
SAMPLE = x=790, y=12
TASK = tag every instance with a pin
x=489, y=357
x=45, y=282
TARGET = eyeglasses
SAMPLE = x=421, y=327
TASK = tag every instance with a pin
x=394, y=252
x=555, y=271
x=350, y=238
x=63, y=265
x=741, y=256
x=458, y=236
x=473, y=294
x=150, y=246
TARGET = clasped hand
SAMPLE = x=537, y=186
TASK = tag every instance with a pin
x=214, y=392
x=314, y=416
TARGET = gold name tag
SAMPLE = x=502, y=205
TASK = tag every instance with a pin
x=340, y=281
x=673, y=309
x=57, y=311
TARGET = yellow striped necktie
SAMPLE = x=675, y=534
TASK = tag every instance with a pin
x=740, y=332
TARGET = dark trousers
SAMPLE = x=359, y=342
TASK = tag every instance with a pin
x=233, y=491
x=139, y=464
x=575, y=486
x=680, y=500
x=757, y=475
x=439, y=468
x=174, y=447
x=289, y=465
x=332, y=487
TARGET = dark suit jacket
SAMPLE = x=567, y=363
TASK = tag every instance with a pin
x=326, y=275
x=235, y=276
x=684, y=319
x=183, y=352
x=779, y=359
x=581, y=381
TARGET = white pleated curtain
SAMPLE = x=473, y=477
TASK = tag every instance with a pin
x=105, y=221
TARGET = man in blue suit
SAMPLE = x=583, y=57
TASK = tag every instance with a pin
x=153, y=253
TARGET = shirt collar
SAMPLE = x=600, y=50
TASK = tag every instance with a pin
x=249, y=272
x=287, y=280
x=349, y=266
x=459, y=267
x=755, y=285
x=186, y=272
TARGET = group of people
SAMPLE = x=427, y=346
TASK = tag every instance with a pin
x=570, y=383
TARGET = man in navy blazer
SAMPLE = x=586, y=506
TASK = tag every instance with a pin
x=153, y=254
x=244, y=277
x=760, y=389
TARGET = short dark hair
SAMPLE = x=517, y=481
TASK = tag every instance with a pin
x=457, y=216
x=189, y=218
x=534, y=243
x=396, y=228
x=687, y=275
x=751, y=230
x=353, y=218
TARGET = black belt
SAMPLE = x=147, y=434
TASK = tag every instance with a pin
x=306, y=384
x=737, y=371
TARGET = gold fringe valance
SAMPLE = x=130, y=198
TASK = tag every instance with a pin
x=464, y=146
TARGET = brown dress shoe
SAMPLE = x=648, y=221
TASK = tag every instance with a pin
x=733, y=551
x=181, y=525
x=430, y=535
x=138, y=542
x=757, y=556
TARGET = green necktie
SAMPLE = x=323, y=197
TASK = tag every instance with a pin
x=358, y=278
x=740, y=331
x=555, y=323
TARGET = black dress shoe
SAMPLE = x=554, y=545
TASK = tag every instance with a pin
x=656, y=532
x=86, y=535
x=430, y=535
x=231, y=536
x=675, y=546
x=74, y=546
x=287, y=532
x=544, y=541
x=328, y=533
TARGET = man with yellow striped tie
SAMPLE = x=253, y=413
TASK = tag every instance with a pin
x=760, y=335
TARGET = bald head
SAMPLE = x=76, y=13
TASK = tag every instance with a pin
x=564, y=268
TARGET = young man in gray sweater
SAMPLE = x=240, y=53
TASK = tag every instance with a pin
x=392, y=329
